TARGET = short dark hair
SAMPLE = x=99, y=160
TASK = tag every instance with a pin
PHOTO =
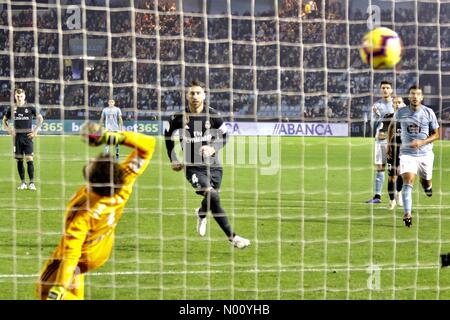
x=19, y=91
x=414, y=87
x=386, y=82
x=105, y=176
x=197, y=83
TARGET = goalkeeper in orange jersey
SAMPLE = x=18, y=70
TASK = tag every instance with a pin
x=93, y=213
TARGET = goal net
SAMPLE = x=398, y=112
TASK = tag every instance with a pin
x=287, y=77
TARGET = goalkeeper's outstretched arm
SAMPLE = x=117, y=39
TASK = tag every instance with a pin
x=78, y=225
x=143, y=145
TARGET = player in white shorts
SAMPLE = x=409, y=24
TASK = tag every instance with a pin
x=419, y=129
x=379, y=110
x=111, y=120
x=422, y=165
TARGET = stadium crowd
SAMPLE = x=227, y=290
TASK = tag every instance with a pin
x=298, y=69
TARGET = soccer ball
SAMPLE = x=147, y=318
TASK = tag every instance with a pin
x=381, y=48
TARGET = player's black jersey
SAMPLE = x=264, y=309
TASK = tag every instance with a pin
x=384, y=122
x=22, y=117
x=195, y=131
x=395, y=140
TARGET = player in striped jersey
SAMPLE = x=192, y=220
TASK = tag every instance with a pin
x=93, y=213
x=202, y=133
x=419, y=127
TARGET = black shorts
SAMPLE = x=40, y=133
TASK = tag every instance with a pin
x=202, y=180
x=393, y=163
x=22, y=145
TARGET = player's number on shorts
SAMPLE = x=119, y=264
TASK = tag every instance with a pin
x=194, y=178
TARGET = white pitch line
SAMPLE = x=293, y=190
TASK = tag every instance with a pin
x=338, y=269
x=307, y=205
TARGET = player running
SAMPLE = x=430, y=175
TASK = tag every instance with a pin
x=419, y=129
x=202, y=133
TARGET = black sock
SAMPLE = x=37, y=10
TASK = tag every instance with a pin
x=377, y=196
x=399, y=183
x=391, y=189
x=204, y=208
x=428, y=191
x=219, y=214
x=30, y=169
x=21, y=170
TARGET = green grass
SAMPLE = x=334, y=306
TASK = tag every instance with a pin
x=312, y=236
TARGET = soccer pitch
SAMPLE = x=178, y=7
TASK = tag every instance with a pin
x=312, y=236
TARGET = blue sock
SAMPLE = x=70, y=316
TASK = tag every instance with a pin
x=379, y=181
x=407, y=198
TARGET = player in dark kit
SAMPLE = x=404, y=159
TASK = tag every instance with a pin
x=202, y=133
x=23, y=133
x=393, y=156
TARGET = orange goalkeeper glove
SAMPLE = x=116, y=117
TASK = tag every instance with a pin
x=95, y=135
x=56, y=293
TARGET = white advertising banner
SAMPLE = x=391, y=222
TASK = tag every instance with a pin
x=288, y=129
x=309, y=129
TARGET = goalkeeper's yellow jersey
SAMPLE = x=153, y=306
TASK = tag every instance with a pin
x=91, y=219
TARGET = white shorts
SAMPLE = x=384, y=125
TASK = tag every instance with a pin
x=380, y=151
x=421, y=166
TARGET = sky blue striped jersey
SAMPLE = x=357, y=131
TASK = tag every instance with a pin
x=416, y=126
x=111, y=116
